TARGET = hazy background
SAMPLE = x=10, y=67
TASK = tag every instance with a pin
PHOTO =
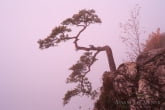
x=34, y=79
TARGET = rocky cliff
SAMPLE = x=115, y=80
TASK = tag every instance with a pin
x=136, y=85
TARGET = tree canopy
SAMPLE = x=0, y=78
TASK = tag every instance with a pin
x=82, y=19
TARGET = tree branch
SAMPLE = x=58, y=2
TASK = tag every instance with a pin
x=79, y=70
x=108, y=50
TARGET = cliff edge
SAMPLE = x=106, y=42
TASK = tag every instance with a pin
x=136, y=85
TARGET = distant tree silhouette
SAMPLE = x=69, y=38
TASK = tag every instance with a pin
x=131, y=34
x=156, y=40
x=82, y=20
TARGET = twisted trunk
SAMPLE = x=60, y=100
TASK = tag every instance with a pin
x=111, y=61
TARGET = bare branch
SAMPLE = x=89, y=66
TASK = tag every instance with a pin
x=131, y=33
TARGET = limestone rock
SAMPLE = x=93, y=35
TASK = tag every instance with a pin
x=136, y=85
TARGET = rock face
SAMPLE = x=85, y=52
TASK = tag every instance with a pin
x=136, y=85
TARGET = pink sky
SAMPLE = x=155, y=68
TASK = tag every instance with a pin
x=34, y=79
